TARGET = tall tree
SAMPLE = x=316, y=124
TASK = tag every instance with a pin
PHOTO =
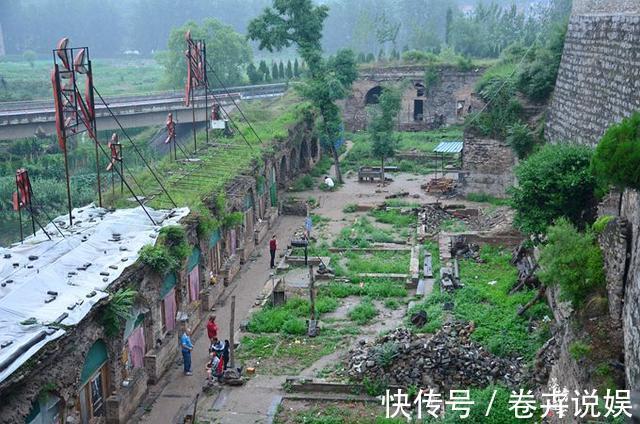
x=274, y=71
x=296, y=68
x=300, y=22
x=264, y=71
x=281, y=74
x=255, y=77
x=383, y=123
x=289, y=72
x=230, y=50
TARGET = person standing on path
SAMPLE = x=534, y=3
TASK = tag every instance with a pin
x=212, y=330
x=273, y=245
x=187, y=347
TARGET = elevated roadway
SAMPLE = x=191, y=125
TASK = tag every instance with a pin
x=25, y=119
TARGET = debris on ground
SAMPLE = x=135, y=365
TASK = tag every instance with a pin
x=447, y=360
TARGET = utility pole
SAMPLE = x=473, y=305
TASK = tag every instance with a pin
x=231, y=332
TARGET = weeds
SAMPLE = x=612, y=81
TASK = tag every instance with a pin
x=373, y=289
x=363, y=313
x=394, y=217
x=350, y=208
x=289, y=318
x=378, y=262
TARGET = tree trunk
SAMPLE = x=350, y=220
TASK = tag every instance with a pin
x=336, y=163
x=382, y=171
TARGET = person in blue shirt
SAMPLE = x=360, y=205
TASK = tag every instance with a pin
x=187, y=347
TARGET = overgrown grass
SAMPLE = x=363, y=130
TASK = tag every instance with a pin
x=364, y=312
x=378, y=262
x=453, y=225
x=350, y=208
x=366, y=287
x=401, y=203
x=487, y=198
x=395, y=217
x=302, y=183
x=289, y=318
x=361, y=234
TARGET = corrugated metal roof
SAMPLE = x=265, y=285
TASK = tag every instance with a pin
x=449, y=147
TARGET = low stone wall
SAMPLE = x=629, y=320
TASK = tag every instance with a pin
x=487, y=166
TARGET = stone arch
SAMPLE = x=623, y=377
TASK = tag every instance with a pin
x=283, y=172
x=373, y=96
x=314, y=148
x=304, y=155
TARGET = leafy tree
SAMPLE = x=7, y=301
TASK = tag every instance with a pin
x=289, y=72
x=554, y=182
x=370, y=58
x=449, y=20
x=362, y=58
x=386, y=30
x=255, y=77
x=300, y=22
x=572, y=260
x=381, y=129
x=274, y=71
x=264, y=71
x=281, y=74
x=617, y=157
x=381, y=56
x=230, y=50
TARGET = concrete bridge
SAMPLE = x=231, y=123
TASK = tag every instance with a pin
x=446, y=101
x=25, y=119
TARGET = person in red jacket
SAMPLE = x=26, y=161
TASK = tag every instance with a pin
x=273, y=245
x=212, y=329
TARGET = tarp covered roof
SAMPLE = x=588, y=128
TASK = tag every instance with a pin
x=449, y=147
x=41, y=280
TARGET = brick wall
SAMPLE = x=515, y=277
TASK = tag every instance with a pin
x=599, y=79
x=487, y=166
x=606, y=7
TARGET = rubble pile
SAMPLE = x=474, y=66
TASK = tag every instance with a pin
x=431, y=216
x=444, y=361
x=462, y=249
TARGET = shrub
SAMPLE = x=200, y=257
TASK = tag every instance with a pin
x=601, y=223
x=350, y=208
x=573, y=261
x=617, y=157
x=520, y=139
x=363, y=312
x=303, y=183
x=384, y=354
x=158, y=258
x=579, y=350
x=294, y=326
x=553, y=182
x=417, y=56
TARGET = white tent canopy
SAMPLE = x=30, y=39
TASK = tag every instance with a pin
x=46, y=281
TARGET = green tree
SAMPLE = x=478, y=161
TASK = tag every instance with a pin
x=230, y=50
x=300, y=22
x=381, y=128
x=281, y=74
x=264, y=71
x=521, y=139
x=296, y=68
x=255, y=77
x=289, y=72
x=554, y=182
x=370, y=58
x=572, y=260
x=617, y=157
x=274, y=71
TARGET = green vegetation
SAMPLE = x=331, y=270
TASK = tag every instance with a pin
x=554, y=182
x=395, y=217
x=572, y=260
x=617, y=157
x=453, y=225
x=361, y=234
x=289, y=318
x=521, y=139
x=399, y=203
x=230, y=50
x=378, y=262
x=118, y=310
x=601, y=223
x=391, y=304
x=579, y=350
x=302, y=183
x=170, y=250
x=364, y=287
x=487, y=198
x=363, y=313
x=433, y=306
x=300, y=23
x=382, y=125
x=350, y=208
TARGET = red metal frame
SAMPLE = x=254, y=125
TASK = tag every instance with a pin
x=171, y=135
x=196, y=55
x=74, y=109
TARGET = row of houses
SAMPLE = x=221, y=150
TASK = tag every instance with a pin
x=86, y=376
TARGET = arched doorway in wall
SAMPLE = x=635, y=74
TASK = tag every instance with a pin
x=304, y=155
x=373, y=96
x=314, y=148
x=95, y=385
x=283, y=171
x=47, y=408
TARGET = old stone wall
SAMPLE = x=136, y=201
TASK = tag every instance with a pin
x=599, y=78
x=487, y=166
x=614, y=241
x=423, y=108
